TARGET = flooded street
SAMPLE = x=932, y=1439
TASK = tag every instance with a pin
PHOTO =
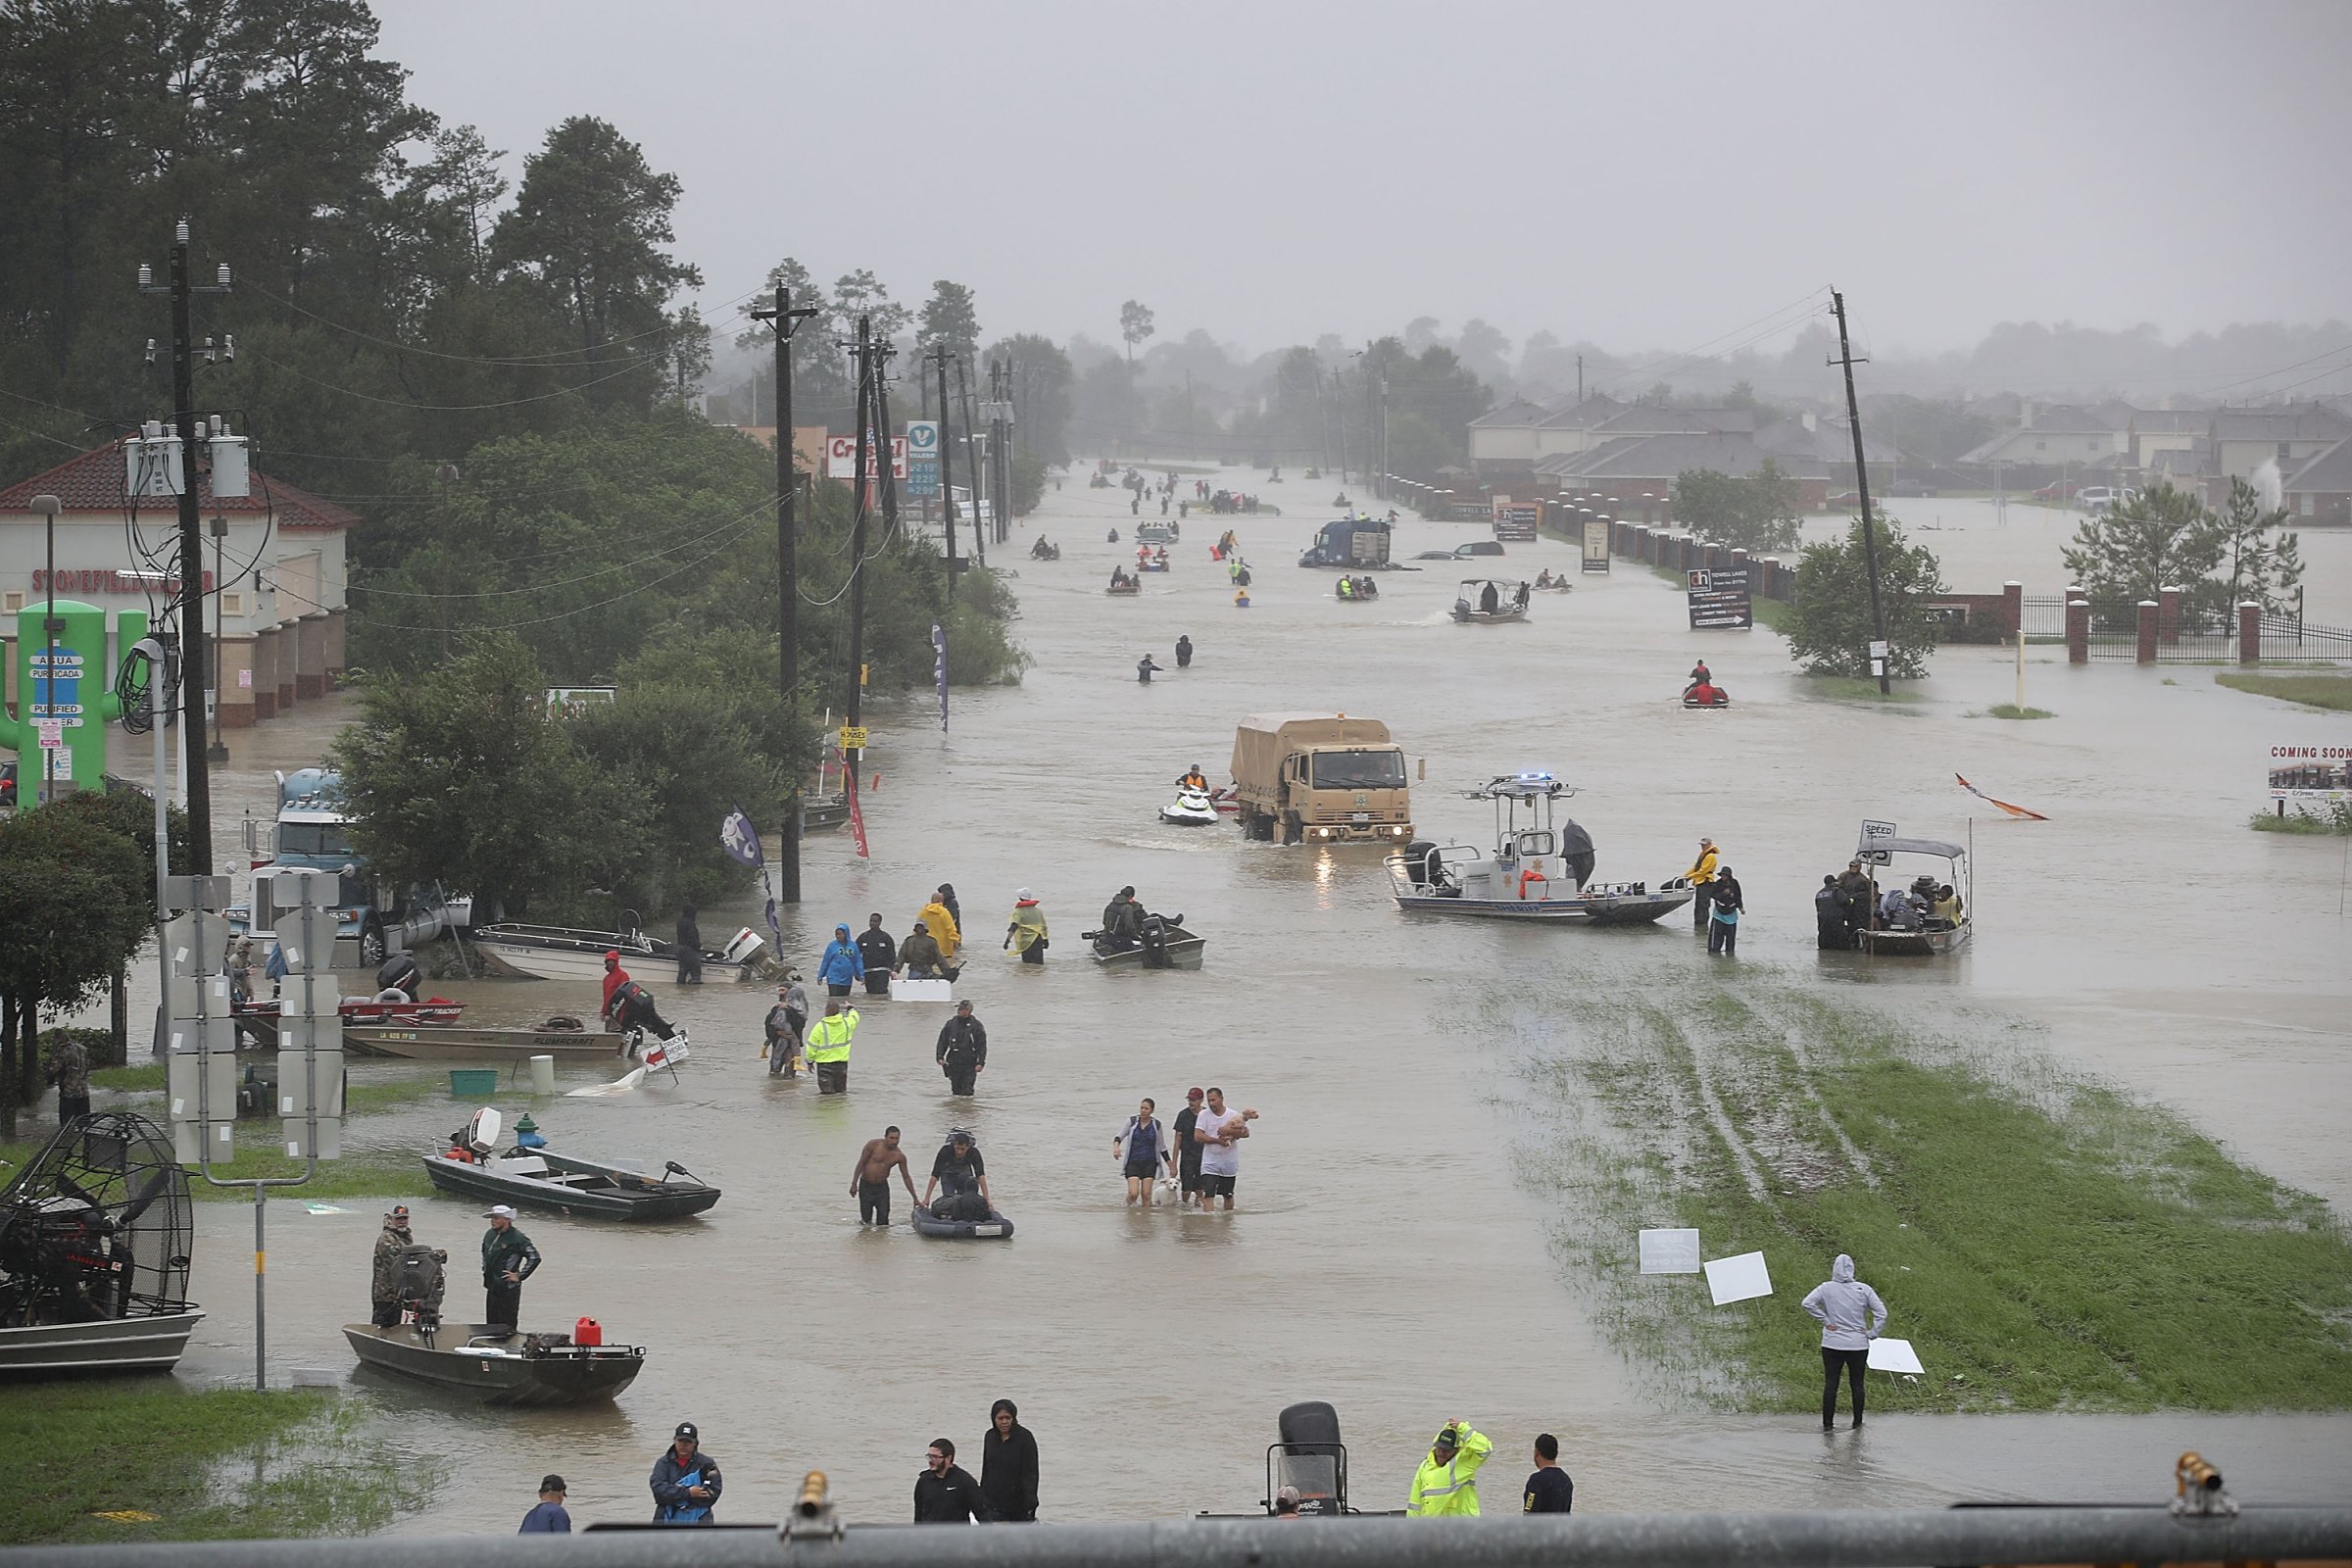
x=1386, y=1254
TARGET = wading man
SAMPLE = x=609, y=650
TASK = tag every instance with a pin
x=870, y=1179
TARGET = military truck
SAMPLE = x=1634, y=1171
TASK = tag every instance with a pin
x=1320, y=778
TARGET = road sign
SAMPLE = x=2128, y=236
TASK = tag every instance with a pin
x=1717, y=599
x=1872, y=831
x=852, y=736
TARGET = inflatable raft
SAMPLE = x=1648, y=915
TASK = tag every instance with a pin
x=993, y=1228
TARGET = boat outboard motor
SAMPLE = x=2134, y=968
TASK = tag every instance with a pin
x=418, y=1285
x=1154, y=937
x=398, y=973
x=1424, y=863
x=1310, y=1458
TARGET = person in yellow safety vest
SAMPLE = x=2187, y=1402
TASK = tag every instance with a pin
x=941, y=924
x=1702, y=878
x=826, y=1050
x=1446, y=1483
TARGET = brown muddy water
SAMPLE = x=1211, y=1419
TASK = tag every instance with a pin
x=1384, y=1255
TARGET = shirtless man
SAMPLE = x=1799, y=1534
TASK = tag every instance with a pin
x=869, y=1183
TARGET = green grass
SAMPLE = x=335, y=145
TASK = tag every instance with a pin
x=1855, y=689
x=210, y=1466
x=2331, y=692
x=359, y=1173
x=2336, y=818
x=2012, y=710
x=2046, y=1245
x=139, y=1078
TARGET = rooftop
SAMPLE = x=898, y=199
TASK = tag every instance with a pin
x=97, y=481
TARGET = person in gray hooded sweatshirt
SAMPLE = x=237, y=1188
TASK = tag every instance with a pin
x=1850, y=1315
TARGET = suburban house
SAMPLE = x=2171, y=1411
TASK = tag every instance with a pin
x=1502, y=442
x=2320, y=490
x=2290, y=435
x=2051, y=436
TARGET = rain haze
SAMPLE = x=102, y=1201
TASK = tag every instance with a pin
x=1643, y=177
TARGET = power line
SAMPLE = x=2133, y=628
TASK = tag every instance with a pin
x=551, y=359
x=443, y=407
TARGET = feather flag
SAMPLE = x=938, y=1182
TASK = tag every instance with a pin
x=939, y=672
x=741, y=841
x=2013, y=810
x=848, y=781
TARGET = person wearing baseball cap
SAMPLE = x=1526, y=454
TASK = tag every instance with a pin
x=685, y=1479
x=508, y=1259
x=1188, y=1147
x=1446, y=1483
x=383, y=1294
x=549, y=1518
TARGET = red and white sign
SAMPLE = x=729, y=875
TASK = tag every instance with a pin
x=841, y=457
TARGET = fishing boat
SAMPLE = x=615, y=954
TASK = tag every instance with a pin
x=500, y=1366
x=1167, y=944
x=1189, y=808
x=540, y=1177
x=562, y=953
x=1534, y=873
x=1470, y=602
x=1931, y=937
x=422, y=1042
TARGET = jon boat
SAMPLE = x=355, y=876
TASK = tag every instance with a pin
x=567, y=1184
x=1126, y=589
x=1183, y=950
x=500, y=1368
x=1472, y=594
x=561, y=952
x=257, y=1021
x=425, y=1042
x=1532, y=874
x=1932, y=939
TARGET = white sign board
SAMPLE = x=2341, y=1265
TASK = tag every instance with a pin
x=1670, y=1252
x=1894, y=1355
x=1738, y=1279
x=52, y=733
x=1873, y=832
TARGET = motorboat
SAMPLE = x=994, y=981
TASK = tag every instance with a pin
x=531, y=1174
x=1153, y=564
x=1929, y=937
x=96, y=1233
x=425, y=1042
x=996, y=1227
x=1471, y=602
x=1535, y=872
x=1189, y=808
x=257, y=1021
x=1126, y=588
x=497, y=1364
x=562, y=953
x=1165, y=945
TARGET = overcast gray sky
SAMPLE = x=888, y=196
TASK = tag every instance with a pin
x=1642, y=174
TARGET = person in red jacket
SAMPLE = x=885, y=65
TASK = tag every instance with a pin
x=628, y=1005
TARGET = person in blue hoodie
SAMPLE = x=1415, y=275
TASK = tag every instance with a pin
x=1850, y=1315
x=841, y=967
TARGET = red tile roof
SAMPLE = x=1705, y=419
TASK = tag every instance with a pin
x=95, y=483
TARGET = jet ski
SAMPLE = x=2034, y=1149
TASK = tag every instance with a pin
x=1189, y=808
x=1707, y=694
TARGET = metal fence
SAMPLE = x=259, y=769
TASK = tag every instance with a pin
x=1860, y=1538
x=2044, y=617
x=2290, y=637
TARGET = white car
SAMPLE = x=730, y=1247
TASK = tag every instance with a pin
x=2100, y=498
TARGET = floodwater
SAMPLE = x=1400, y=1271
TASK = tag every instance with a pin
x=1384, y=1255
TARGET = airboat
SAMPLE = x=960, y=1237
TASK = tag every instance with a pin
x=95, y=1237
x=1535, y=872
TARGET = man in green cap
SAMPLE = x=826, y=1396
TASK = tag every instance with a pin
x=1446, y=1483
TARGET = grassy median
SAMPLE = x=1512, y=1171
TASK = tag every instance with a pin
x=171, y=1463
x=2046, y=1244
x=2330, y=692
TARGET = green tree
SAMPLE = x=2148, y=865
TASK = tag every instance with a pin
x=1041, y=392
x=1757, y=514
x=949, y=318
x=2264, y=564
x=861, y=293
x=590, y=227
x=78, y=897
x=2160, y=538
x=1830, y=630
x=1135, y=326
x=457, y=776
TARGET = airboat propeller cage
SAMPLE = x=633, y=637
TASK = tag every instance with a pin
x=483, y=1130
x=97, y=1226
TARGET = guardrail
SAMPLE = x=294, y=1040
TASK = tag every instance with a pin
x=1812, y=1540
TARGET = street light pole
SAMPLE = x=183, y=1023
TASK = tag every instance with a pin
x=48, y=506
x=1883, y=652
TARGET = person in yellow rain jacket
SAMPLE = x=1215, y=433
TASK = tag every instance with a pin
x=1702, y=878
x=1446, y=1483
x=826, y=1048
x=940, y=921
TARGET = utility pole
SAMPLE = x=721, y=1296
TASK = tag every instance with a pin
x=947, y=465
x=1000, y=449
x=963, y=401
x=1579, y=379
x=1882, y=652
x=865, y=351
x=192, y=679
x=782, y=319
x=217, y=751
